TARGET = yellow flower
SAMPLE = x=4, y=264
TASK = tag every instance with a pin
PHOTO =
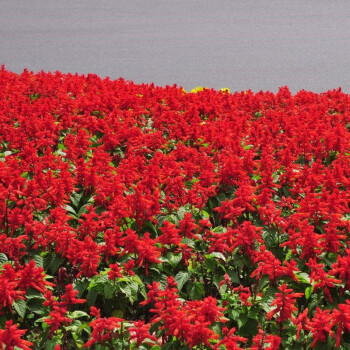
x=225, y=90
x=197, y=89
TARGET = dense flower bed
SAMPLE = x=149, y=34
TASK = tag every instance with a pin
x=140, y=217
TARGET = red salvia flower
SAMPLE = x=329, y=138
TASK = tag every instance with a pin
x=10, y=337
x=321, y=326
x=230, y=341
x=262, y=339
x=285, y=304
x=139, y=331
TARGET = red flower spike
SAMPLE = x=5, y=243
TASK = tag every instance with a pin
x=321, y=326
x=285, y=304
x=262, y=339
x=10, y=337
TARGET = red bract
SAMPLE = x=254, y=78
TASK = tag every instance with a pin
x=321, y=326
x=114, y=272
x=189, y=322
x=33, y=276
x=285, y=304
x=104, y=329
x=147, y=252
x=265, y=341
x=230, y=341
x=269, y=265
x=9, y=291
x=69, y=297
x=341, y=268
x=59, y=309
x=320, y=276
x=341, y=318
x=244, y=294
x=302, y=321
x=140, y=332
x=10, y=337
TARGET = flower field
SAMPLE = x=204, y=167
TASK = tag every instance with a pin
x=144, y=217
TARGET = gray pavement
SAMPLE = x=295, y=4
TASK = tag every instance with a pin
x=246, y=44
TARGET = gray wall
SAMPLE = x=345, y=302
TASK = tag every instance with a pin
x=246, y=44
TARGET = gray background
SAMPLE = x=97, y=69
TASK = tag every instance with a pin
x=246, y=44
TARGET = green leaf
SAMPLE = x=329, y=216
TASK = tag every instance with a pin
x=141, y=285
x=210, y=264
x=233, y=276
x=218, y=255
x=32, y=293
x=82, y=210
x=56, y=263
x=73, y=327
x=216, y=280
x=181, y=278
x=98, y=281
x=75, y=198
x=134, y=288
x=242, y=320
x=50, y=344
x=36, y=305
x=70, y=210
x=81, y=286
x=253, y=312
x=3, y=258
x=109, y=290
x=267, y=299
x=233, y=314
x=125, y=289
x=166, y=346
x=173, y=259
x=91, y=296
x=249, y=327
x=289, y=254
x=118, y=313
x=302, y=277
x=163, y=282
x=219, y=229
x=78, y=314
x=130, y=290
x=20, y=307
x=205, y=214
x=308, y=292
x=40, y=320
x=195, y=291
x=221, y=196
x=38, y=260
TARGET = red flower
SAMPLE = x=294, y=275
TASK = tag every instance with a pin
x=321, y=326
x=147, y=252
x=33, y=276
x=320, y=276
x=262, y=339
x=285, y=304
x=302, y=321
x=341, y=318
x=9, y=291
x=104, y=329
x=69, y=297
x=140, y=332
x=244, y=294
x=230, y=341
x=10, y=337
x=114, y=272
